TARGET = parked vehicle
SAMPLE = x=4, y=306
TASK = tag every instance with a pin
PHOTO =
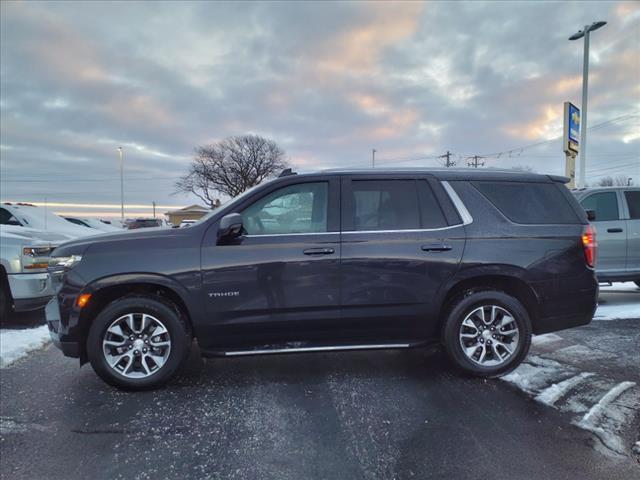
x=617, y=221
x=93, y=223
x=24, y=258
x=187, y=223
x=30, y=216
x=133, y=224
x=476, y=260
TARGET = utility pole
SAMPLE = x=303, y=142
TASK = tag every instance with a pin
x=475, y=163
x=585, y=86
x=154, y=208
x=121, y=185
x=373, y=158
x=449, y=163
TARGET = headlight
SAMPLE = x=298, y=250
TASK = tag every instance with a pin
x=64, y=262
x=35, y=258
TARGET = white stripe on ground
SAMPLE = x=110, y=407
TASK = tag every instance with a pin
x=550, y=395
x=592, y=419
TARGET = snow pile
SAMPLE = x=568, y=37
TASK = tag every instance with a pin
x=618, y=301
x=15, y=344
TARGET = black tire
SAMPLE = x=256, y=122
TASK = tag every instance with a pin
x=467, y=304
x=166, y=312
x=5, y=302
x=637, y=282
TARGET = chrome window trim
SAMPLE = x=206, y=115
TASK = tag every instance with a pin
x=457, y=202
x=290, y=234
x=410, y=230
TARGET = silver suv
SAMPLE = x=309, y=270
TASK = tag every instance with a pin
x=617, y=221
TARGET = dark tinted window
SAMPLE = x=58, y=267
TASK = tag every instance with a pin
x=6, y=218
x=528, y=202
x=633, y=200
x=385, y=205
x=605, y=205
x=430, y=211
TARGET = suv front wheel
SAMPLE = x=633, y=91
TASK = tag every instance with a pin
x=487, y=333
x=138, y=342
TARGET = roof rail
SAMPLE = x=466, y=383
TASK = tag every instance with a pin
x=286, y=172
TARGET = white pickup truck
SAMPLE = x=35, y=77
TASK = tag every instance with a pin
x=28, y=234
x=24, y=258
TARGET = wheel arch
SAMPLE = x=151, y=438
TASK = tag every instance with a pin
x=106, y=290
x=510, y=283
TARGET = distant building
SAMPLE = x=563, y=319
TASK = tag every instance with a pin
x=192, y=212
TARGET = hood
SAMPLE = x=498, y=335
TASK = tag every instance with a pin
x=34, y=234
x=82, y=244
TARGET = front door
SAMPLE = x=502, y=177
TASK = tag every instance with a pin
x=397, y=250
x=281, y=278
x=611, y=231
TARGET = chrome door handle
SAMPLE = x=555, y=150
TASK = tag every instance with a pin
x=319, y=251
x=435, y=247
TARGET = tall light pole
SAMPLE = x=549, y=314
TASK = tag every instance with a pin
x=121, y=185
x=585, y=86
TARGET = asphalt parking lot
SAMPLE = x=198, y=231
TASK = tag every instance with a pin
x=364, y=415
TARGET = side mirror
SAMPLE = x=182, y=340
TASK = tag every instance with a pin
x=591, y=215
x=230, y=227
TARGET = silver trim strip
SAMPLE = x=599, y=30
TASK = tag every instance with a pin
x=291, y=234
x=315, y=349
x=457, y=202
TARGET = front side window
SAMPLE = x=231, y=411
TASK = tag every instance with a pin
x=605, y=205
x=300, y=208
x=385, y=205
x=633, y=200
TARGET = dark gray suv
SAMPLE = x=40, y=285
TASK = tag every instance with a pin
x=338, y=260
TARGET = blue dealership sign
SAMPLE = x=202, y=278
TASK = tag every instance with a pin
x=571, y=127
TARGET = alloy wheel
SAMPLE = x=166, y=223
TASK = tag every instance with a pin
x=489, y=336
x=136, y=345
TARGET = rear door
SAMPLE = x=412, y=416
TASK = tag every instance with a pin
x=611, y=230
x=398, y=247
x=632, y=198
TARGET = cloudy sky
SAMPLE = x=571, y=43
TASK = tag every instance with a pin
x=328, y=81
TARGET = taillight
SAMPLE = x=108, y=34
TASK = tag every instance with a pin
x=589, y=244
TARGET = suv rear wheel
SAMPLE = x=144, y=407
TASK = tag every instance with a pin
x=138, y=342
x=487, y=333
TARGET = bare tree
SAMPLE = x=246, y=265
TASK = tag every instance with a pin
x=231, y=166
x=620, y=180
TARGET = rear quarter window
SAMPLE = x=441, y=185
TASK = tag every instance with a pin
x=529, y=202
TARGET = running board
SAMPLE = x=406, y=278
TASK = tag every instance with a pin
x=333, y=348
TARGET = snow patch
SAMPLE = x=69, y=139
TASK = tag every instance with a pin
x=616, y=312
x=550, y=395
x=545, y=339
x=605, y=418
x=15, y=344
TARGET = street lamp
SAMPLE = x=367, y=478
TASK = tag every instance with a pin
x=585, y=86
x=121, y=185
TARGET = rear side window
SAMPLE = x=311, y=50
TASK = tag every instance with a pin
x=385, y=205
x=605, y=204
x=529, y=202
x=430, y=211
x=633, y=200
